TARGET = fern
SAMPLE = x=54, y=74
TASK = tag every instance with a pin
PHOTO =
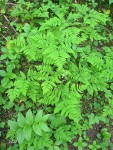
x=44, y=142
x=69, y=105
x=58, y=64
x=63, y=134
x=108, y=109
x=13, y=94
x=57, y=48
x=34, y=91
x=21, y=86
x=62, y=58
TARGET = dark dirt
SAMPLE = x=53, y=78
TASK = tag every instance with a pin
x=92, y=133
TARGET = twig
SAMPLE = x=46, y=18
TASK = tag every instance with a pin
x=9, y=23
x=13, y=29
x=4, y=37
x=10, y=4
x=15, y=20
x=6, y=18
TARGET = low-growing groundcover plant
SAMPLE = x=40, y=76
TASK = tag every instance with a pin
x=57, y=78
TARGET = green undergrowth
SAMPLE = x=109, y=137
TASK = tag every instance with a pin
x=56, y=73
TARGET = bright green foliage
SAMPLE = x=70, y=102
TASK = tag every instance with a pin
x=110, y=1
x=105, y=134
x=108, y=109
x=80, y=144
x=94, y=146
x=96, y=2
x=55, y=46
x=59, y=64
x=28, y=127
x=3, y=6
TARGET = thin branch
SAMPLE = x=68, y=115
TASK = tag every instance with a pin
x=9, y=23
x=15, y=20
x=11, y=4
x=4, y=37
x=13, y=29
x=6, y=18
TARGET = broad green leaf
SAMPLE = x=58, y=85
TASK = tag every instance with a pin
x=106, y=135
x=84, y=144
x=44, y=127
x=38, y=116
x=27, y=131
x=111, y=86
x=2, y=73
x=30, y=148
x=26, y=27
x=22, y=75
x=5, y=81
x=20, y=136
x=80, y=147
x=10, y=133
x=21, y=120
x=110, y=2
x=29, y=117
x=37, y=129
x=56, y=110
x=13, y=93
x=56, y=148
x=46, y=117
x=13, y=125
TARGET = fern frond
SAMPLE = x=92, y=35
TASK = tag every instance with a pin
x=20, y=41
x=63, y=134
x=53, y=22
x=108, y=109
x=43, y=142
x=34, y=91
x=13, y=94
x=22, y=85
x=69, y=105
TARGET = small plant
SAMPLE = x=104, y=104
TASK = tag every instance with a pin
x=3, y=4
x=80, y=144
x=59, y=62
x=94, y=146
x=105, y=134
x=27, y=129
